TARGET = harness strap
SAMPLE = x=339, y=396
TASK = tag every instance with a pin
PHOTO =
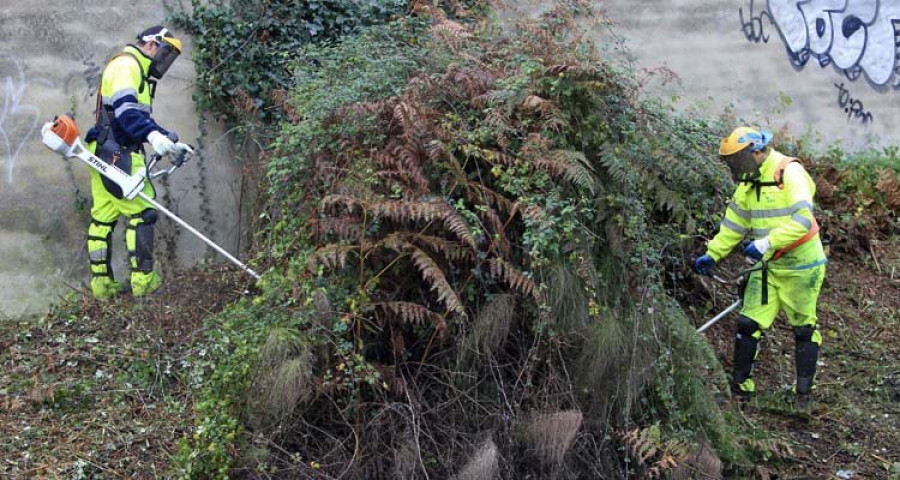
x=103, y=113
x=809, y=235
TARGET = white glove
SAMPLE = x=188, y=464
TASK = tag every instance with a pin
x=762, y=245
x=182, y=147
x=162, y=145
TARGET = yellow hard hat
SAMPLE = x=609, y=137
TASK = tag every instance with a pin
x=744, y=137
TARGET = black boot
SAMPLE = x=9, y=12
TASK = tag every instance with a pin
x=807, y=355
x=745, y=346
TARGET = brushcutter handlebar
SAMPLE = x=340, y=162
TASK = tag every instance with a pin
x=741, y=275
x=180, y=159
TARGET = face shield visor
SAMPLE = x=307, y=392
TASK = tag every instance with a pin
x=743, y=165
x=169, y=48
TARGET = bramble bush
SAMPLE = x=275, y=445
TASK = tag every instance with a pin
x=472, y=236
x=470, y=220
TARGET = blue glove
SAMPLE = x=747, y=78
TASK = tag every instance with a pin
x=756, y=249
x=704, y=265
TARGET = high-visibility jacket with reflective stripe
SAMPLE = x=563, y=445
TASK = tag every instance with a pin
x=783, y=214
x=124, y=88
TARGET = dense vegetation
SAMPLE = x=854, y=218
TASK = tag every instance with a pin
x=472, y=237
x=475, y=240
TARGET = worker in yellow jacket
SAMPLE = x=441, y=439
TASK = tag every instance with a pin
x=124, y=105
x=773, y=207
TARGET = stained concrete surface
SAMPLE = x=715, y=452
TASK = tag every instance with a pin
x=719, y=65
x=51, y=55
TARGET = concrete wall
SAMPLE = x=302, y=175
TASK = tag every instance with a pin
x=51, y=55
x=827, y=67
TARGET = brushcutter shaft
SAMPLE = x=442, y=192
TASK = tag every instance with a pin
x=199, y=235
x=734, y=306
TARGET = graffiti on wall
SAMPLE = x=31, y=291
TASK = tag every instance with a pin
x=855, y=36
x=754, y=27
x=18, y=120
x=853, y=107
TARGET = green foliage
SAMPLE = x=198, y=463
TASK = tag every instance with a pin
x=246, y=50
x=434, y=177
x=220, y=378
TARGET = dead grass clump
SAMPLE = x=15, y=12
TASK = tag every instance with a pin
x=552, y=434
x=484, y=465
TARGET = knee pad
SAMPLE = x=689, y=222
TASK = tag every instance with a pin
x=807, y=333
x=141, y=243
x=747, y=327
x=149, y=216
x=99, y=246
x=804, y=333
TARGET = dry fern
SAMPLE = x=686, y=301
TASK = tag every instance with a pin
x=434, y=275
x=331, y=256
x=655, y=455
x=512, y=276
x=409, y=312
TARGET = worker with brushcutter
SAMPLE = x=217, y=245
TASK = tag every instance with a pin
x=772, y=207
x=123, y=124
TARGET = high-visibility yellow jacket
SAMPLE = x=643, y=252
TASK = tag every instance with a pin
x=126, y=97
x=783, y=213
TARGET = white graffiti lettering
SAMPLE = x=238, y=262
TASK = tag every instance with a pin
x=17, y=120
x=857, y=36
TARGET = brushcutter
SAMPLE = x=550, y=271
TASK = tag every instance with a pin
x=61, y=136
x=740, y=280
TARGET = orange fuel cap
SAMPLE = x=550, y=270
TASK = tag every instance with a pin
x=64, y=127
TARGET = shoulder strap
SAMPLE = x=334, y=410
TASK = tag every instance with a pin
x=779, y=172
x=99, y=113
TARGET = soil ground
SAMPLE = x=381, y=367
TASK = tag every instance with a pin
x=100, y=390
x=853, y=427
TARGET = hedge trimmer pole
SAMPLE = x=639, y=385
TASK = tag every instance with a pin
x=61, y=136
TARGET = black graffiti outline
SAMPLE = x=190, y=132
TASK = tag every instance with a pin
x=853, y=107
x=749, y=27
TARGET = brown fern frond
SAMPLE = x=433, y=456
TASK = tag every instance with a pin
x=405, y=113
x=409, y=312
x=512, y=276
x=475, y=82
x=570, y=165
x=434, y=275
x=345, y=226
x=493, y=199
x=406, y=211
x=453, y=251
x=493, y=157
x=457, y=224
x=332, y=256
x=889, y=186
x=453, y=34
x=350, y=203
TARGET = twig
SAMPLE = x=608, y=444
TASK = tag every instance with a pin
x=874, y=257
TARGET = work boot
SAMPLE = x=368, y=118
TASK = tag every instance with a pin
x=744, y=390
x=803, y=388
x=104, y=288
x=143, y=284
